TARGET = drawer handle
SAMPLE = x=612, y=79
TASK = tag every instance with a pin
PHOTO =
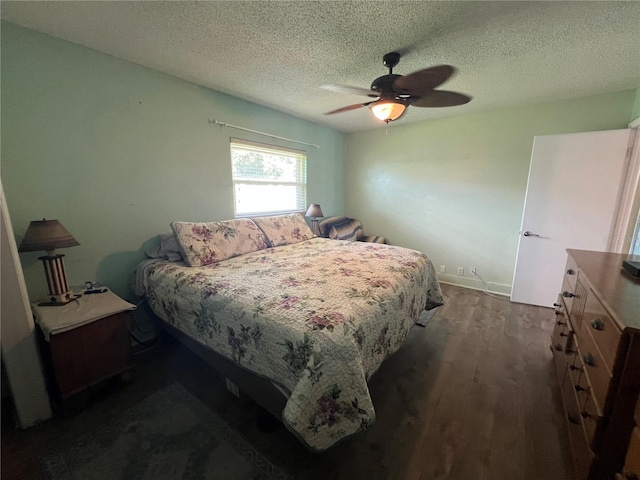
x=571, y=272
x=567, y=294
x=627, y=476
x=597, y=324
x=589, y=360
x=573, y=419
x=573, y=367
x=556, y=304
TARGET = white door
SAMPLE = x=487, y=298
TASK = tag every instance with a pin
x=572, y=197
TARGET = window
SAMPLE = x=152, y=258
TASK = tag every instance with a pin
x=635, y=240
x=267, y=179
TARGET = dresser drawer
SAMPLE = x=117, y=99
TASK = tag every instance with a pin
x=591, y=418
x=594, y=367
x=632, y=462
x=575, y=301
x=604, y=331
x=576, y=367
x=582, y=455
x=561, y=332
x=571, y=273
x=601, y=378
x=568, y=294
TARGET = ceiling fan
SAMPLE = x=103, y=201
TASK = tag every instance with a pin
x=394, y=93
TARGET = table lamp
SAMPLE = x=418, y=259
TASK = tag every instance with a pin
x=48, y=235
x=314, y=211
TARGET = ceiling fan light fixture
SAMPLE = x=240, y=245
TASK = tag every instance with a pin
x=387, y=109
x=397, y=92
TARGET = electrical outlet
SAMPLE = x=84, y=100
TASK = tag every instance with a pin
x=460, y=271
x=232, y=387
x=443, y=269
x=472, y=271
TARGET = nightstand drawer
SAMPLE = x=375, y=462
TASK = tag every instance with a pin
x=91, y=353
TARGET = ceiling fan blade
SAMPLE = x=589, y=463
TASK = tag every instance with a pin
x=440, y=98
x=351, y=90
x=423, y=81
x=348, y=107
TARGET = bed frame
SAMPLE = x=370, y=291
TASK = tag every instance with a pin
x=258, y=388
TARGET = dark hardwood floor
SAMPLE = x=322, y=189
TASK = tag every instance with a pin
x=473, y=395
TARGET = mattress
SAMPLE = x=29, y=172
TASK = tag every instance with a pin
x=317, y=318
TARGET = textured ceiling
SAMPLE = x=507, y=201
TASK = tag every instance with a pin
x=278, y=53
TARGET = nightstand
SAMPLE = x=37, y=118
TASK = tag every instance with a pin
x=84, y=342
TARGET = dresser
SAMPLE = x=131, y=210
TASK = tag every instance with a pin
x=596, y=351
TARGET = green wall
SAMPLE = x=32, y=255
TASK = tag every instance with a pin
x=454, y=188
x=117, y=151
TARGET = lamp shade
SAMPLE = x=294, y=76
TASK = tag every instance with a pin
x=46, y=235
x=314, y=210
x=387, y=110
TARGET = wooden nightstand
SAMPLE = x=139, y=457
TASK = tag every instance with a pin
x=84, y=342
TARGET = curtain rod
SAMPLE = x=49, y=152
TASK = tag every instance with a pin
x=222, y=124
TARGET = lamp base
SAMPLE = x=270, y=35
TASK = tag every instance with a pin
x=315, y=227
x=60, y=300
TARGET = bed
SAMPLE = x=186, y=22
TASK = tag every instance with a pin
x=313, y=317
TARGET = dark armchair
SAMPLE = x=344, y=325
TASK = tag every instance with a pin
x=345, y=228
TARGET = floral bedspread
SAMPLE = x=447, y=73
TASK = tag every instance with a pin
x=317, y=317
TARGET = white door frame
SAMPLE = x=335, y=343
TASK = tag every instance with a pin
x=568, y=167
x=629, y=200
x=17, y=332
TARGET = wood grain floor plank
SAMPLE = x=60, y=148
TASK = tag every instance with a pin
x=473, y=395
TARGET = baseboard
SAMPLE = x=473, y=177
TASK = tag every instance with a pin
x=471, y=283
x=499, y=288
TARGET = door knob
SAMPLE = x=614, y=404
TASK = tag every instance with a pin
x=530, y=234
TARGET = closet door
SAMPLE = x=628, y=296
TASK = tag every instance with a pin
x=573, y=195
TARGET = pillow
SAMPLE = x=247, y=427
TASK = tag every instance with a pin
x=349, y=229
x=168, y=248
x=284, y=229
x=210, y=242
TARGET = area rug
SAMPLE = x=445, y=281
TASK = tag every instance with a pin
x=170, y=435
